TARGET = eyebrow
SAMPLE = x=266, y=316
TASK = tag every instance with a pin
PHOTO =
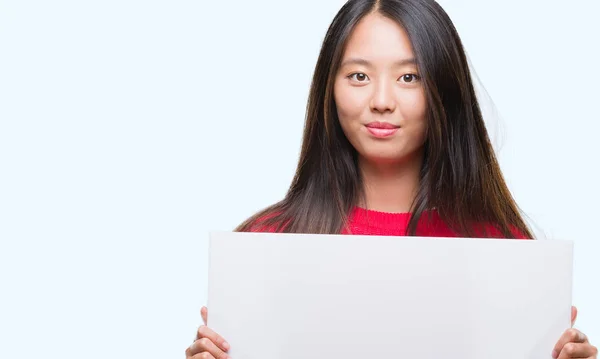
x=359, y=61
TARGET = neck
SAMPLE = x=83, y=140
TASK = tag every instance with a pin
x=390, y=187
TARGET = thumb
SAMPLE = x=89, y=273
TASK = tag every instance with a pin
x=204, y=314
x=573, y=315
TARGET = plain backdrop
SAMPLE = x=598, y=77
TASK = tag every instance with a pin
x=129, y=129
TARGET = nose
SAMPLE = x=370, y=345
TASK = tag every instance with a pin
x=383, y=98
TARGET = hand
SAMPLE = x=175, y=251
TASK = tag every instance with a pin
x=574, y=344
x=208, y=344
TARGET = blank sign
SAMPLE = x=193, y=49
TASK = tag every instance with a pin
x=295, y=296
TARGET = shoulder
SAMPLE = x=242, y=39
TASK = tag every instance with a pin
x=265, y=221
x=434, y=225
x=488, y=230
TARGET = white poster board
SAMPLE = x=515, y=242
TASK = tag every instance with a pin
x=292, y=296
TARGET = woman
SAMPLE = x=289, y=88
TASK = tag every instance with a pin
x=394, y=144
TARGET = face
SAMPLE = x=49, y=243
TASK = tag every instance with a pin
x=378, y=93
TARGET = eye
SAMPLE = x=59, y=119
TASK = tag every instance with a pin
x=358, y=77
x=410, y=78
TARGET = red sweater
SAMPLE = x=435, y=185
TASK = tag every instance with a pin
x=368, y=222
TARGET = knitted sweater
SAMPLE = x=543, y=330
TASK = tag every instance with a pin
x=362, y=221
x=369, y=222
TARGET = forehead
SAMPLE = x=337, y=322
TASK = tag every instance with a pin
x=378, y=38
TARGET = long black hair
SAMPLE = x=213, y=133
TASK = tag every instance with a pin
x=460, y=175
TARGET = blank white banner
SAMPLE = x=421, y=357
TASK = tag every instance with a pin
x=291, y=296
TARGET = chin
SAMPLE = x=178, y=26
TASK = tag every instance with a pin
x=384, y=158
x=390, y=156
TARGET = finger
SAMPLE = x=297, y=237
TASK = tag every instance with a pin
x=569, y=336
x=207, y=347
x=578, y=350
x=204, y=313
x=203, y=356
x=206, y=332
x=573, y=315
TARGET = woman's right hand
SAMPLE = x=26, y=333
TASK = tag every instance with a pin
x=208, y=344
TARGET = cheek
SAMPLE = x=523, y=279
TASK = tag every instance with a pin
x=414, y=111
x=350, y=103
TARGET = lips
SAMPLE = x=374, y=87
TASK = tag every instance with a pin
x=381, y=129
x=382, y=125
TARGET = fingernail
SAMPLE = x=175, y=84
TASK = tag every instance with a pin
x=226, y=345
x=554, y=354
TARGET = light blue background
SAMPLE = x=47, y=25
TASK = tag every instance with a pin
x=129, y=129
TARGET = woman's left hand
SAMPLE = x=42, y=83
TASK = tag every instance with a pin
x=574, y=344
